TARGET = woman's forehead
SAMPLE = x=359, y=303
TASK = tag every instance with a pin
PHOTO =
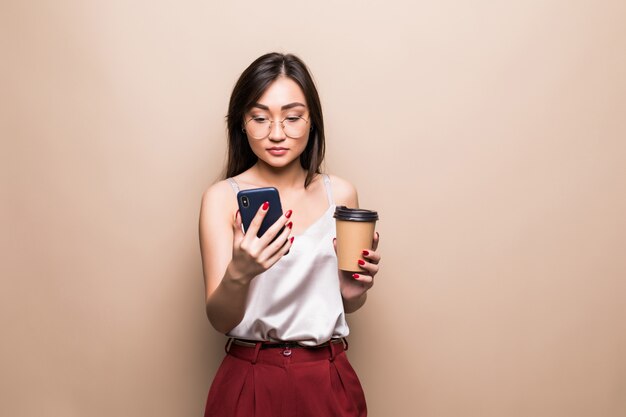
x=283, y=91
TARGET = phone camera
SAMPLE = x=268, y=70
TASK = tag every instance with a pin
x=244, y=201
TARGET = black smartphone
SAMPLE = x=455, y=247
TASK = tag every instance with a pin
x=249, y=202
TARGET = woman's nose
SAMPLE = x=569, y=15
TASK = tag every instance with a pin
x=277, y=132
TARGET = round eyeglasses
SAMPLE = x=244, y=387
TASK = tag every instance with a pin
x=260, y=127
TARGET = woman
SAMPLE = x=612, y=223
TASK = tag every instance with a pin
x=280, y=298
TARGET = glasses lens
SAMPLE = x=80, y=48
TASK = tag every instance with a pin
x=258, y=128
x=294, y=127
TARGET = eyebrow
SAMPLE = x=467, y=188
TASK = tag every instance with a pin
x=285, y=107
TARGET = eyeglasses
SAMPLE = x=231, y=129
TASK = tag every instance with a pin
x=260, y=127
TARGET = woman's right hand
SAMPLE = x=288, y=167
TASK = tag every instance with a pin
x=254, y=255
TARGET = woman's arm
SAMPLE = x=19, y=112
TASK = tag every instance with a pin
x=225, y=290
x=230, y=259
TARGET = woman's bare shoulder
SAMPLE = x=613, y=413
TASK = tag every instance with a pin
x=343, y=191
x=218, y=189
x=219, y=198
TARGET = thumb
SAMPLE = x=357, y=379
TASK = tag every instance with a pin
x=237, y=230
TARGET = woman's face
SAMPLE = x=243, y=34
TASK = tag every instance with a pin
x=282, y=101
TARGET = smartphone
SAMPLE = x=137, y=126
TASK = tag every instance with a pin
x=249, y=202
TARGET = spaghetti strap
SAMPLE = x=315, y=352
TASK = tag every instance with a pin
x=329, y=191
x=233, y=184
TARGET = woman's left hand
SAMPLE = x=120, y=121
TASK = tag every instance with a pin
x=354, y=285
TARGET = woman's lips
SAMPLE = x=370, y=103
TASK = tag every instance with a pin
x=277, y=151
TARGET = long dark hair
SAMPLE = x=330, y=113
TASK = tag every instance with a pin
x=249, y=88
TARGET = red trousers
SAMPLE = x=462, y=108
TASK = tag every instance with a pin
x=278, y=382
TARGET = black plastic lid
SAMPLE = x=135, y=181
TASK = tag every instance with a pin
x=355, y=215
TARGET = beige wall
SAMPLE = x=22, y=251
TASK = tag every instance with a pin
x=490, y=136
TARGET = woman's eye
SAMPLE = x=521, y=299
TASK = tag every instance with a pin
x=259, y=119
x=292, y=119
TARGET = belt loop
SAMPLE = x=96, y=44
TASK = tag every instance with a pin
x=257, y=348
x=331, y=346
x=229, y=342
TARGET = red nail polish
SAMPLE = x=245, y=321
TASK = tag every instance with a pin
x=290, y=224
x=366, y=252
x=355, y=276
x=361, y=262
x=288, y=214
x=291, y=239
x=266, y=205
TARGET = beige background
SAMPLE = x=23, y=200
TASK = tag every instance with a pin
x=489, y=135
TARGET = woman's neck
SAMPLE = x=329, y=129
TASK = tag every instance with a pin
x=288, y=177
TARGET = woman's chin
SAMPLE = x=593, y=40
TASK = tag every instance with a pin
x=278, y=161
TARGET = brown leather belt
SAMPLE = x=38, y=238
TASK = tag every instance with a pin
x=283, y=345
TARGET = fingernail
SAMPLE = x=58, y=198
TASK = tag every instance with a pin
x=266, y=205
x=366, y=252
x=334, y=239
x=288, y=214
x=290, y=224
x=361, y=262
x=291, y=239
x=237, y=214
x=355, y=276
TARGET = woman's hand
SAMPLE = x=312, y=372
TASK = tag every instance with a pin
x=254, y=255
x=355, y=285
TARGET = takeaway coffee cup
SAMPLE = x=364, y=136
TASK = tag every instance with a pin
x=355, y=231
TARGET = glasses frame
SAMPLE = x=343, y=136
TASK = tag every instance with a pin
x=282, y=126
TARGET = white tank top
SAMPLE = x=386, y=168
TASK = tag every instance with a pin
x=298, y=298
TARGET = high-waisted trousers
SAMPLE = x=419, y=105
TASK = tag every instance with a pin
x=283, y=382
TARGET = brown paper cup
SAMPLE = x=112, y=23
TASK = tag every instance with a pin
x=355, y=231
